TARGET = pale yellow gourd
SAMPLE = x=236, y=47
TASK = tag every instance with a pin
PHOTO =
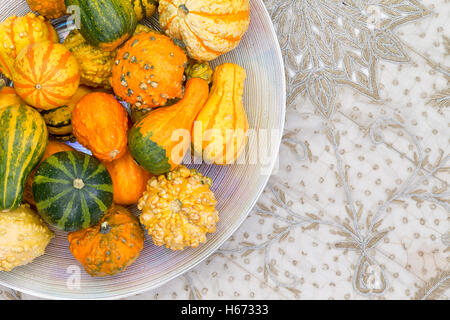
x=23, y=237
x=207, y=28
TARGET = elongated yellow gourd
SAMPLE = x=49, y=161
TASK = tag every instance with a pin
x=220, y=130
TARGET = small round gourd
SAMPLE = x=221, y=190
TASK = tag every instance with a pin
x=23, y=237
x=46, y=75
x=17, y=33
x=51, y=9
x=149, y=70
x=186, y=213
x=110, y=246
x=72, y=190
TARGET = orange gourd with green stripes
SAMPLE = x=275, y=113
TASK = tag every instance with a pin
x=17, y=33
x=23, y=139
x=158, y=142
x=207, y=28
x=46, y=75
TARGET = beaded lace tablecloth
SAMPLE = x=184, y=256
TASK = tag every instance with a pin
x=359, y=205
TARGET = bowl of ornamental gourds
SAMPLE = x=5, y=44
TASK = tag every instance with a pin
x=237, y=187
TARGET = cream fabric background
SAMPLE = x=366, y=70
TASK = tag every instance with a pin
x=359, y=205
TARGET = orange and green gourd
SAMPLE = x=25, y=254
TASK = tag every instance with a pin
x=46, y=75
x=110, y=246
x=157, y=142
x=105, y=24
x=17, y=33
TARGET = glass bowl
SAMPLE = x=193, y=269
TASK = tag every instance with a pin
x=57, y=275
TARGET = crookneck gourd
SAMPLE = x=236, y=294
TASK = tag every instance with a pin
x=23, y=237
x=46, y=75
x=51, y=9
x=186, y=213
x=17, y=33
x=220, y=130
x=105, y=23
x=100, y=123
x=137, y=114
x=23, y=139
x=201, y=70
x=72, y=190
x=149, y=70
x=158, y=142
x=110, y=246
x=207, y=28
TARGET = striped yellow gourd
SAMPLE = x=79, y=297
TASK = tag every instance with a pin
x=23, y=139
x=46, y=75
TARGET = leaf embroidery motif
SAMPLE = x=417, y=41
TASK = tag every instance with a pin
x=327, y=43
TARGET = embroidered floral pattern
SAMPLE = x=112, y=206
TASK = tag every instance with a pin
x=359, y=206
x=329, y=43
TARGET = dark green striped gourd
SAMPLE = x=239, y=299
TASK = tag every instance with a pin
x=23, y=139
x=72, y=190
x=105, y=23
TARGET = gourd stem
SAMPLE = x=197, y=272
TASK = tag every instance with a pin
x=78, y=184
x=183, y=11
x=113, y=154
x=176, y=206
x=105, y=228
